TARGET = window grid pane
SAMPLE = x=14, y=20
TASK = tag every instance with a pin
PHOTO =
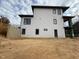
x=55, y=21
x=59, y=11
x=27, y=21
x=45, y=29
x=54, y=11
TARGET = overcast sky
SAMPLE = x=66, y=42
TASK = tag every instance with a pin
x=12, y=8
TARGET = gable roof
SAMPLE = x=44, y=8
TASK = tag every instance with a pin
x=48, y=7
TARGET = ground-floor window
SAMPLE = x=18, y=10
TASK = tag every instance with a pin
x=37, y=31
x=23, y=31
x=55, y=33
x=45, y=29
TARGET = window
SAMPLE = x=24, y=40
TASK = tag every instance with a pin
x=27, y=21
x=55, y=21
x=19, y=27
x=59, y=11
x=45, y=29
x=23, y=31
x=37, y=31
x=54, y=11
x=56, y=33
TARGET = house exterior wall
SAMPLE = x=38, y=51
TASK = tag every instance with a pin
x=43, y=18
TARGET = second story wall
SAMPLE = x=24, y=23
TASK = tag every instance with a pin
x=46, y=17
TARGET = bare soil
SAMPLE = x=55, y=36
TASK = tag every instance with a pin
x=39, y=49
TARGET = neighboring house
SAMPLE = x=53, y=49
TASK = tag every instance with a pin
x=68, y=29
x=76, y=29
x=46, y=21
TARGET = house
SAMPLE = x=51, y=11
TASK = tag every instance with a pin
x=69, y=30
x=76, y=29
x=46, y=21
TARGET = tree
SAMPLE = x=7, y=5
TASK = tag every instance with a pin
x=4, y=23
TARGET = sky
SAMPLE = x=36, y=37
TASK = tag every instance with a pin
x=12, y=8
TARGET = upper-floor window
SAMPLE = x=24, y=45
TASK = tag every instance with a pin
x=59, y=11
x=55, y=21
x=54, y=11
x=27, y=21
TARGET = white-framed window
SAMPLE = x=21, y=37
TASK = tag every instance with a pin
x=55, y=21
x=54, y=11
x=27, y=21
x=45, y=29
x=59, y=11
x=23, y=31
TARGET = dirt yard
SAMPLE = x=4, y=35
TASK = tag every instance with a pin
x=39, y=49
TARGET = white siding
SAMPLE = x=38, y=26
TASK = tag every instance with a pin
x=43, y=18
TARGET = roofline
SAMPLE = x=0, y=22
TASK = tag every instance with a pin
x=44, y=6
x=68, y=16
x=26, y=15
